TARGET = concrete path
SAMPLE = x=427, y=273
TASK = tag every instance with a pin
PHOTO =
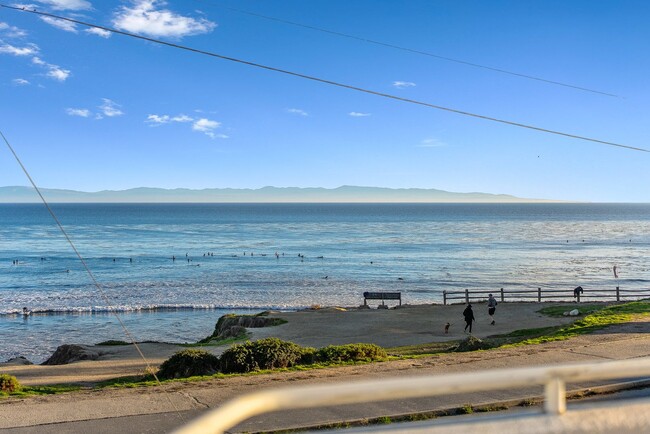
x=162, y=409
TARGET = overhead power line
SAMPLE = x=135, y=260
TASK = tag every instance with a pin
x=95, y=282
x=410, y=50
x=325, y=81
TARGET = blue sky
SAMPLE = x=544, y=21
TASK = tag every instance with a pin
x=90, y=111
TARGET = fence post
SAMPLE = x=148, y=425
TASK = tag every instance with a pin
x=618, y=294
x=466, y=295
x=539, y=295
x=444, y=297
x=578, y=296
x=502, y=298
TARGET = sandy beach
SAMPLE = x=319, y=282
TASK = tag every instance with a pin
x=407, y=325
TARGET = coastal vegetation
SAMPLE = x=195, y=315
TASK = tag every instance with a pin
x=272, y=354
x=231, y=327
x=265, y=355
x=10, y=386
x=189, y=363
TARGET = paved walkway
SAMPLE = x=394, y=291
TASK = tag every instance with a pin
x=155, y=410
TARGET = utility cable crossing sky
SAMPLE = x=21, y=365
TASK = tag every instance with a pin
x=325, y=81
x=411, y=50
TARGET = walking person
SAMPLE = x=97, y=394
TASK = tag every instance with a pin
x=492, y=307
x=468, y=313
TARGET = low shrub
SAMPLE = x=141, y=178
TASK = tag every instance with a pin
x=9, y=384
x=471, y=344
x=266, y=353
x=189, y=363
x=350, y=353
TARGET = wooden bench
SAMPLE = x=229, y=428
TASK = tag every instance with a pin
x=381, y=296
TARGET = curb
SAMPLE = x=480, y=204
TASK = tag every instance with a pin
x=494, y=406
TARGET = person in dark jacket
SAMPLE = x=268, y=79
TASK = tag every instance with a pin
x=468, y=313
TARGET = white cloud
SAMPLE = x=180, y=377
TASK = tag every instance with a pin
x=296, y=111
x=84, y=113
x=182, y=118
x=431, y=143
x=157, y=119
x=11, y=31
x=403, y=84
x=54, y=71
x=146, y=17
x=99, y=32
x=76, y=5
x=203, y=125
x=19, y=81
x=110, y=108
x=207, y=127
x=57, y=73
x=28, y=50
x=165, y=119
x=64, y=25
x=358, y=114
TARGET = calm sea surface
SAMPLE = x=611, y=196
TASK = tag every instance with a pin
x=327, y=254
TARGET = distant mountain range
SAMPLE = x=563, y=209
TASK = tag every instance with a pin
x=262, y=195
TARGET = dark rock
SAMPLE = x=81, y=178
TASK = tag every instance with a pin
x=71, y=353
x=232, y=332
x=18, y=361
x=234, y=325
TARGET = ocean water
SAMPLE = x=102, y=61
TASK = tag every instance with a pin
x=250, y=257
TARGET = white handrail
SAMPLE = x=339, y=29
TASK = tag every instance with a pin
x=553, y=378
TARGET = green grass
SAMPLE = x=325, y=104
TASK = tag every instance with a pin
x=214, y=342
x=42, y=390
x=595, y=321
x=422, y=349
x=558, y=311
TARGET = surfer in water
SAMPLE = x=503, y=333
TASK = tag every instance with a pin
x=26, y=312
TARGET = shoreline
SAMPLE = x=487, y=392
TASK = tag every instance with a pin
x=407, y=325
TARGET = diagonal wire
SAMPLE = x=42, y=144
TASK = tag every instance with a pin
x=96, y=283
x=330, y=82
x=410, y=50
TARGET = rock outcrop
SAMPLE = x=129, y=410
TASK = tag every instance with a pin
x=71, y=353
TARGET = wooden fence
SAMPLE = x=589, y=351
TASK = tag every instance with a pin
x=540, y=294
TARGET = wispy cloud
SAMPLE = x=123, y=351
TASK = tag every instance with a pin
x=206, y=126
x=107, y=109
x=403, y=84
x=27, y=50
x=20, y=82
x=358, y=114
x=53, y=71
x=99, y=32
x=431, y=143
x=64, y=25
x=296, y=111
x=158, y=119
x=110, y=108
x=147, y=17
x=202, y=125
x=11, y=31
x=75, y=5
x=182, y=118
x=84, y=113
x=165, y=119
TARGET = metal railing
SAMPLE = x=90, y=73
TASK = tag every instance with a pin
x=553, y=379
x=541, y=294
